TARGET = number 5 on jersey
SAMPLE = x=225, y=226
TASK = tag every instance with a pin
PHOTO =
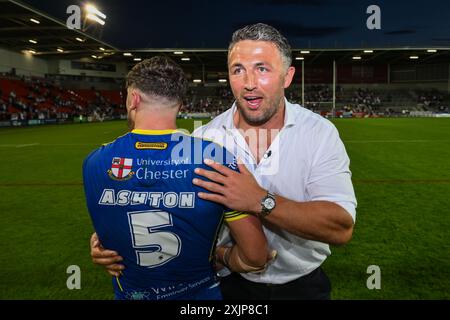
x=153, y=247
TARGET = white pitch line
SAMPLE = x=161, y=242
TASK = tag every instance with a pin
x=26, y=145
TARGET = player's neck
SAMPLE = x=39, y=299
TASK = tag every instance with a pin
x=155, y=119
x=155, y=124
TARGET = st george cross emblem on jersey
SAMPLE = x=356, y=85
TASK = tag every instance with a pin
x=121, y=169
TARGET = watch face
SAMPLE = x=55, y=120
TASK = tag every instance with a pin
x=269, y=203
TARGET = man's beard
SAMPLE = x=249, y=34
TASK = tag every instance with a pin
x=266, y=115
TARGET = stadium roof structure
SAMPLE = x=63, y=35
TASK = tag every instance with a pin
x=25, y=28
x=218, y=57
x=50, y=38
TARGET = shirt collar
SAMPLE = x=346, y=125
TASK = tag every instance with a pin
x=291, y=114
x=153, y=132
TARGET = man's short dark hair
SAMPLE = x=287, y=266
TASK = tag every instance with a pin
x=264, y=32
x=158, y=76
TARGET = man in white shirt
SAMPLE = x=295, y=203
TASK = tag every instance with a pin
x=296, y=176
x=298, y=180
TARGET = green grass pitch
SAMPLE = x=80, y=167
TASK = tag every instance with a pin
x=401, y=174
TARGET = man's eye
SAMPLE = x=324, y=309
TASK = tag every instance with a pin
x=237, y=71
x=263, y=69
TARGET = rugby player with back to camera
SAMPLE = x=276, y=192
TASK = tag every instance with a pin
x=143, y=204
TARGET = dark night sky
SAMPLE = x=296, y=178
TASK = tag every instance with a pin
x=306, y=23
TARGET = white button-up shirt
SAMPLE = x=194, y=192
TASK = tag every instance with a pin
x=307, y=161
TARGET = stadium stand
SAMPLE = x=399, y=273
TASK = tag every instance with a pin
x=31, y=98
x=81, y=79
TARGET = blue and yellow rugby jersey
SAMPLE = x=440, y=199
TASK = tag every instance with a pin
x=143, y=204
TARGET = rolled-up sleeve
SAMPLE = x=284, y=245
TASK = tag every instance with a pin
x=330, y=176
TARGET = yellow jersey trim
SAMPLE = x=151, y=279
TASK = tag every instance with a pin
x=118, y=283
x=154, y=132
x=234, y=215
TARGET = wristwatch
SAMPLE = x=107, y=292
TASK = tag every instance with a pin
x=267, y=204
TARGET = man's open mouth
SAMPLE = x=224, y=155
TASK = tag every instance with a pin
x=253, y=101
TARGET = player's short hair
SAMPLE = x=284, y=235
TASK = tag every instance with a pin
x=264, y=32
x=158, y=76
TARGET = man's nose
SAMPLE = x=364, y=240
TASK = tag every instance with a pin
x=250, y=82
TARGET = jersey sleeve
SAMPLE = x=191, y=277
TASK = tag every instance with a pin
x=230, y=216
x=89, y=180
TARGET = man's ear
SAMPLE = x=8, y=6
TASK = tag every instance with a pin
x=135, y=99
x=289, y=76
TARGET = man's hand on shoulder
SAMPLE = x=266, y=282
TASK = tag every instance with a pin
x=236, y=190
